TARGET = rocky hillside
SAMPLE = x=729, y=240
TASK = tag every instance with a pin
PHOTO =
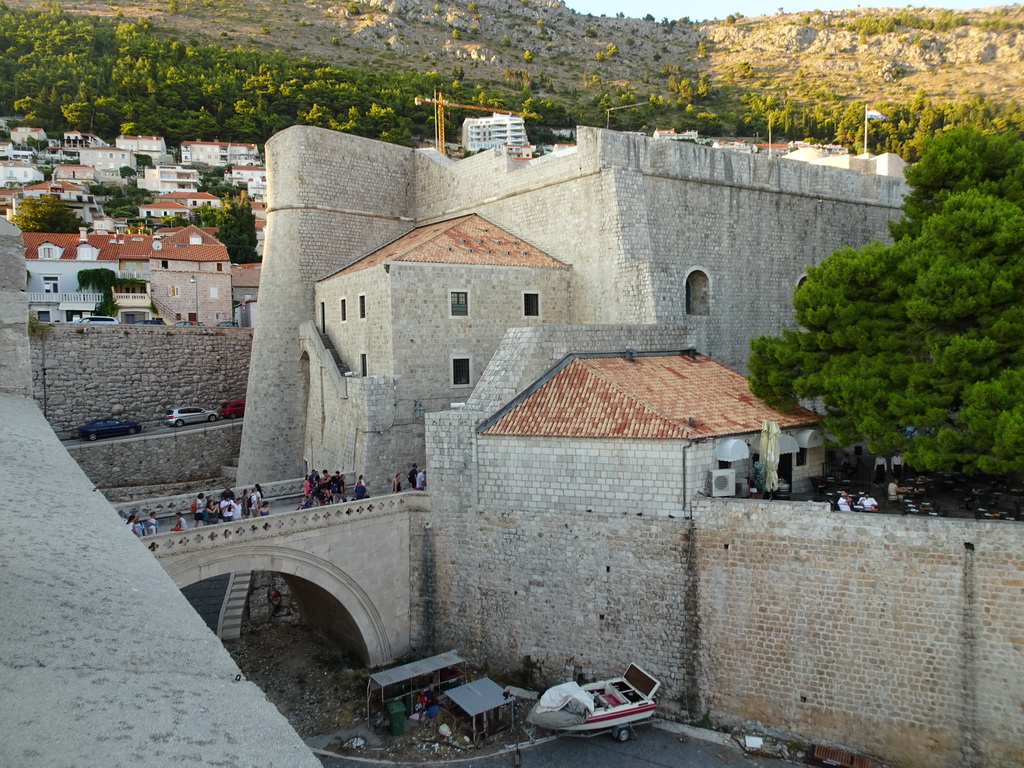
x=808, y=57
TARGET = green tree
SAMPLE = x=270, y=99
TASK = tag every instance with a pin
x=236, y=228
x=923, y=333
x=46, y=214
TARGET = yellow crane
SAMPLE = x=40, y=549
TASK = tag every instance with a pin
x=440, y=102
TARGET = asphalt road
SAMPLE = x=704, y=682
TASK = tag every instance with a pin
x=653, y=747
x=154, y=429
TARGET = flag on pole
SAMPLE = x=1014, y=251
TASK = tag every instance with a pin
x=871, y=113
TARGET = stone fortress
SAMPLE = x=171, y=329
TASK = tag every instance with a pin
x=891, y=636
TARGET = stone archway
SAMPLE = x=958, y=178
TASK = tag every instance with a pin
x=333, y=603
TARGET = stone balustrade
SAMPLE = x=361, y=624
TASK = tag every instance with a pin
x=166, y=506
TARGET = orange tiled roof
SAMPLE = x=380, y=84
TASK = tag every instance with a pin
x=651, y=397
x=246, y=275
x=168, y=205
x=466, y=240
x=175, y=247
x=172, y=196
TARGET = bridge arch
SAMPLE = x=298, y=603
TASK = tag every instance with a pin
x=325, y=579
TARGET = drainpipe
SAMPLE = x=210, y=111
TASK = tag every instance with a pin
x=687, y=513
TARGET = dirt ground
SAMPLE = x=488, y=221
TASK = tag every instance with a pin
x=323, y=695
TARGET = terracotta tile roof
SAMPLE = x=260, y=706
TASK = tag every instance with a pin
x=173, y=196
x=246, y=275
x=56, y=187
x=175, y=247
x=168, y=205
x=466, y=240
x=652, y=397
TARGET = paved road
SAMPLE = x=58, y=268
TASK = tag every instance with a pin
x=653, y=747
x=154, y=429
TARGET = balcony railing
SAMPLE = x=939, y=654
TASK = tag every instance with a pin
x=65, y=298
x=130, y=274
x=131, y=300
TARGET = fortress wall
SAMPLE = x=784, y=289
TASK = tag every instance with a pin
x=14, y=373
x=134, y=372
x=332, y=197
x=898, y=636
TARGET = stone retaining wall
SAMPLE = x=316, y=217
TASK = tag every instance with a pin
x=86, y=372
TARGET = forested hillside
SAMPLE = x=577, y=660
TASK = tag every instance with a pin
x=242, y=71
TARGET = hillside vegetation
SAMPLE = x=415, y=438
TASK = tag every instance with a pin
x=243, y=70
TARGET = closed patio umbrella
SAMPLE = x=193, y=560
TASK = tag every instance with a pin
x=770, y=453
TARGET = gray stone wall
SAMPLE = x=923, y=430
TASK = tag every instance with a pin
x=160, y=455
x=14, y=373
x=86, y=372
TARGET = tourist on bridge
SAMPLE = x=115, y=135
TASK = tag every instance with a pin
x=360, y=489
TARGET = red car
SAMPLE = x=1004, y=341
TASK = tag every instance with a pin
x=232, y=409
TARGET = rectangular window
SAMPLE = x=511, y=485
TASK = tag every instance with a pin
x=362, y=363
x=344, y=310
x=460, y=371
x=531, y=305
x=801, y=457
x=163, y=264
x=362, y=307
x=50, y=284
x=213, y=292
x=220, y=267
x=460, y=304
x=172, y=290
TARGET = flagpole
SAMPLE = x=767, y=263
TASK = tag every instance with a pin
x=865, y=129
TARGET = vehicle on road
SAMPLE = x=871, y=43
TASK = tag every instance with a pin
x=187, y=414
x=232, y=409
x=193, y=323
x=100, y=319
x=227, y=324
x=94, y=430
x=154, y=321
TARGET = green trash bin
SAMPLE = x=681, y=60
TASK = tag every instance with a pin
x=396, y=711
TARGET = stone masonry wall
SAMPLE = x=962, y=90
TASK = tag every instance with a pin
x=898, y=636
x=85, y=372
x=160, y=455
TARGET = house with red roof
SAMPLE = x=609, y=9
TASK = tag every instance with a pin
x=657, y=428
x=190, y=199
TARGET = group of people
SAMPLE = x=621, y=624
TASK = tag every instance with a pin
x=321, y=488
x=146, y=527
x=229, y=508
x=866, y=502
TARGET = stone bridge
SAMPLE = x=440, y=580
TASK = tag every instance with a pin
x=347, y=565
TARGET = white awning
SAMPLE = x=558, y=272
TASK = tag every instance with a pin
x=788, y=444
x=732, y=449
x=809, y=438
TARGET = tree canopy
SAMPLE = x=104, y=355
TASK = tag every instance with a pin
x=46, y=214
x=916, y=346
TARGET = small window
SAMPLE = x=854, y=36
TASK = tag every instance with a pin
x=220, y=267
x=213, y=292
x=531, y=305
x=460, y=371
x=801, y=457
x=50, y=284
x=460, y=304
x=344, y=310
x=362, y=307
x=697, y=300
x=362, y=363
x=163, y=264
x=172, y=290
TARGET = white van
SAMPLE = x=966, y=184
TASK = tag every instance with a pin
x=100, y=319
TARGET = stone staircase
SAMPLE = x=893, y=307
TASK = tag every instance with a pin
x=329, y=346
x=229, y=623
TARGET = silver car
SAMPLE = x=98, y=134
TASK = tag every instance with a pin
x=188, y=414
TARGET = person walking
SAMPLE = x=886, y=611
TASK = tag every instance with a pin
x=881, y=470
x=360, y=489
x=412, y=476
x=421, y=480
x=396, y=484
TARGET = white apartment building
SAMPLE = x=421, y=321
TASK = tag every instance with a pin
x=219, y=153
x=78, y=140
x=17, y=174
x=164, y=179
x=154, y=146
x=22, y=133
x=108, y=160
x=494, y=131
x=252, y=177
x=76, y=173
x=75, y=196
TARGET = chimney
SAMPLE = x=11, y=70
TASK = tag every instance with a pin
x=83, y=235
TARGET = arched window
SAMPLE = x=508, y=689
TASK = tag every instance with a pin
x=697, y=298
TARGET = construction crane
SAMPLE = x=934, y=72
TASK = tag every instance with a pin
x=608, y=112
x=440, y=102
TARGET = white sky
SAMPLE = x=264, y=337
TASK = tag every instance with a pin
x=672, y=9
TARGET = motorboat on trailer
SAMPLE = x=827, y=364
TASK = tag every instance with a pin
x=608, y=706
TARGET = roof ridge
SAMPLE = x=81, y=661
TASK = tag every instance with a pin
x=686, y=428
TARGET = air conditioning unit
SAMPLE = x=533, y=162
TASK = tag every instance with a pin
x=723, y=482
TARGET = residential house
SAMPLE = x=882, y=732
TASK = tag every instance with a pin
x=75, y=196
x=84, y=174
x=252, y=177
x=460, y=284
x=79, y=140
x=153, y=146
x=657, y=428
x=219, y=153
x=190, y=276
x=669, y=134
x=245, y=290
x=162, y=209
x=495, y=131
x=14, y=173
x=22, y=133
x=108, y=161
x=190, y=199
x=10, y=150
x=166, y=179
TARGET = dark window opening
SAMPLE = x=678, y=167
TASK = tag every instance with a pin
x=460, y=304
x=531, y=304
x=362, y=307
x=460, y=371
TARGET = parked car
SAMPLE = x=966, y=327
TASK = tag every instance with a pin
x=100, y=319
x=187, y=414
x=154, y=321
x=189, y=322
x=227, y=324
x=94, y=430
x=232, y=409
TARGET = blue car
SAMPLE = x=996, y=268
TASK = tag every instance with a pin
x=107, y=427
